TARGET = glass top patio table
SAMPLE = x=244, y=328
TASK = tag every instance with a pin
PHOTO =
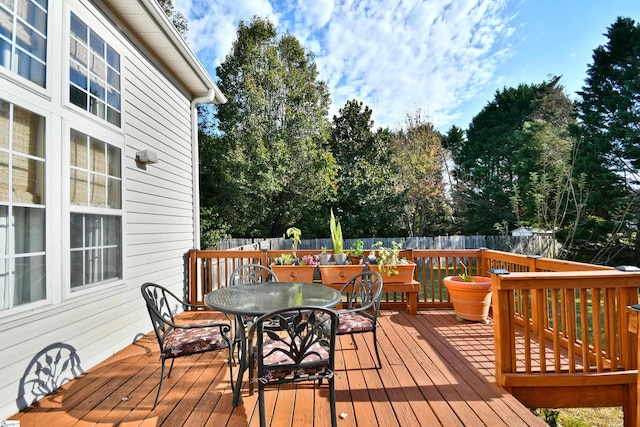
x=256, y=299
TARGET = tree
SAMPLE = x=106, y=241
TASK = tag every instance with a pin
x=419, y=158
x=268, y=145
x=177, y=18
x=610, y=145
x=500, y=153
x=367, y=201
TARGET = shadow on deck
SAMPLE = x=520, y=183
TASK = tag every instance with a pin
x=436, y=371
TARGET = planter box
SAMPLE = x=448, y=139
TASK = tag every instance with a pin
x=294, y=273
x=339, y=273
x=405, y=273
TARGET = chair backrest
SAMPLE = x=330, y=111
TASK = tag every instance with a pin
x=252, y=273
x=304, y=340
x=159, y=302
x=363, y=292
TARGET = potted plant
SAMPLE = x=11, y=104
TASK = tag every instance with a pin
x=355, y=252
x=290, y=268
x=390, y=264
x=324, y=257
x=470, y=295
x=336, y=236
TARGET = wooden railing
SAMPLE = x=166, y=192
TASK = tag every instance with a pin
x=560, y=327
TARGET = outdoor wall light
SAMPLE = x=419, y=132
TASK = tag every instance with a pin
x=146, y=156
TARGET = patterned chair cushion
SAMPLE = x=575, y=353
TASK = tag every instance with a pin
x=351, y=322
x=280, y=358
x=183, y=342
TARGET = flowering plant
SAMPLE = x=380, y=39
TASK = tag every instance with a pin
x=310, y=260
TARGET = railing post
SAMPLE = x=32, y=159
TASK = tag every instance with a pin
x=503, y=327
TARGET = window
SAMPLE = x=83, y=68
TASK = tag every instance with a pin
x=23, y=38
x=96, y=218
x=94, y=73
x=22, y=210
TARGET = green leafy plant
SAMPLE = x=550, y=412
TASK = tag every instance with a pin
x=294, y=235
x=388, y=259
x=323, y=249
x=284, y=259
x=464, y=274
x=357, y=248
x=336, y=235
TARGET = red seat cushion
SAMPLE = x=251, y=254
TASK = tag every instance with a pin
x=350, y=322
x=182, y=342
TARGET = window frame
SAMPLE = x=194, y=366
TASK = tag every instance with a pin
x=114, y=43
x=49, y=63
x=117, y=140
x=48, y=209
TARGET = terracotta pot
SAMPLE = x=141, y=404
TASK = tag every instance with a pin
x=293, y=273
x=471, y=300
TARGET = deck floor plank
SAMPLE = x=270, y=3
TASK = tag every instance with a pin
x=436, y=371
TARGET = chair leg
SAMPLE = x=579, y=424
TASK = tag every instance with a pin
x=332, y=401
x=375, y=345
x=261, y=405
x=353, y=340
x=155, y=403
x=171, y=368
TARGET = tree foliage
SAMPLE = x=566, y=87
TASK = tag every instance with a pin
x=272, y=170
x=367, y=201
x=177, y=18
x=419, y=159
x=609, y=153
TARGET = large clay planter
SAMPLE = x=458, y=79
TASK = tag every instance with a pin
x=471, y=300
x=294, y=273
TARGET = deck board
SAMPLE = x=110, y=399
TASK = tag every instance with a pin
x=436, y=371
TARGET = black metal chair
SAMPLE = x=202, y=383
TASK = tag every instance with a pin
x=179, y=340
x=301, y=349
x=363, y=294
x=252, y=273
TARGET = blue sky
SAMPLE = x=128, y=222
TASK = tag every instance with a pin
x=445, y=58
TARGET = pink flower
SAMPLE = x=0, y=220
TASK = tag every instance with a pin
x=310, y=259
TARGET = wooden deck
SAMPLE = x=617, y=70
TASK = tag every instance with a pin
x=436, y=371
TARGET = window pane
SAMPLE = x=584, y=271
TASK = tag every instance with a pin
x=29, y=280
x=98, y=191
x=113, y=58
x=114, y=160
x=79, y=192
x=33, y=15
x=113, y=116
x=77, y=274
x=4, y=233
x=28, y=180
x=4, y=176
x=29, y=230
x=78, y=97
x=30, y=40
x=97, y=107
x=78, y=75
x=78, y=150
x=77, y=226
x=114, y=199
x=112, y=266
x=78, y=29
x=79, y=52
x=97, y=44
x=6, y=26
x=28, y=130
x=98, y=159
x=97, y=89
x=4, y=124
x=29, y=68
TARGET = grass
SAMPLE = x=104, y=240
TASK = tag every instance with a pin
x=590, y=417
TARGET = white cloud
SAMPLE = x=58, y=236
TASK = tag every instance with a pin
x=394, y=55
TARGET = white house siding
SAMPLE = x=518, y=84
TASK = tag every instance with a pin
x=157, y=210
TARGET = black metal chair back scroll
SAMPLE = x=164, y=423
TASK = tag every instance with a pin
x=360, y=310
x=252, y=273
x=178, y=340
x=302, y=348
